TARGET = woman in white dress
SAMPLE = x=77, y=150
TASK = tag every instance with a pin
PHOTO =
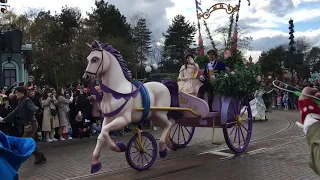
x=258, y=108
x=187, y=80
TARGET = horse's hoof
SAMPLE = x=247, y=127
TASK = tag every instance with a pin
x=163, y=153
x=172, y=145
x=121, y=146
x=95, y=168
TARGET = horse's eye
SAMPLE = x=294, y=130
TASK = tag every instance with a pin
x=95, y=59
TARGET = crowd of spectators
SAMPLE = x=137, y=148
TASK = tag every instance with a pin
x=64, y=113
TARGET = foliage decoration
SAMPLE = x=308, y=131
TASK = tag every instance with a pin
x=244, y=80
x=231, y=19
x=233, y=59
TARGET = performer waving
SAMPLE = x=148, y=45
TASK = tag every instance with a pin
x=214, y=66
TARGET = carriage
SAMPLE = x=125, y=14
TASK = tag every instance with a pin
x=132, y=102
x=232, y=114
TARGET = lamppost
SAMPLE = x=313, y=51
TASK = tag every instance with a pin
x=148, y=70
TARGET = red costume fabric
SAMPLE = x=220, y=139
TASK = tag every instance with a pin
x=308, y=106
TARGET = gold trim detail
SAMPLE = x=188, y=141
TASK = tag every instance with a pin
x=229, y=9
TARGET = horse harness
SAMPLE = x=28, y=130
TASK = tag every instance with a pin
x=139, y=88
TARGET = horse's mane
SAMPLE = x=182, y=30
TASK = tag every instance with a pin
x=109, y=48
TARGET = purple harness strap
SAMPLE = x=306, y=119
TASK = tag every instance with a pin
x=117, y=95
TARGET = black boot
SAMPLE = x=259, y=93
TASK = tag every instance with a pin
x=39, y=158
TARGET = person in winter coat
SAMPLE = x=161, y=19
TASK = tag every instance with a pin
x=26, y=111
x=63, y=113
x=50, y=119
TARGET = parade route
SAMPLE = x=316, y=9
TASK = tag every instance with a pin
x=278, y=150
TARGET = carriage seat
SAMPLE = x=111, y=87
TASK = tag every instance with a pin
x=216, y=104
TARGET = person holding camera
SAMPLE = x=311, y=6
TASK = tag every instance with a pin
x=50, y=119
x=26, y=112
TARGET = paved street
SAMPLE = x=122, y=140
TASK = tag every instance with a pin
x=277, y=151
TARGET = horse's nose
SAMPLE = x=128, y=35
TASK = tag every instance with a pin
x=86, y=77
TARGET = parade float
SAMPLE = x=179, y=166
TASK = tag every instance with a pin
x=243, y=78
x=178, y=113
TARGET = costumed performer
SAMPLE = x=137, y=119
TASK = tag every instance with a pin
x=188, y=81
x=258, y=108
x=13, y=152
x=310, y=119
x=267, y=97
x=210, y=69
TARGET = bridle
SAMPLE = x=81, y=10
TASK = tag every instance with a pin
x=107, y=90
x=100, y=65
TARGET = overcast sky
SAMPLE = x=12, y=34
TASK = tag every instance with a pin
x=265, y=20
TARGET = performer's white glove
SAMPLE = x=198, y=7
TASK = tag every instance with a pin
x=202, y=78
x=299, y=125
x=213, y=76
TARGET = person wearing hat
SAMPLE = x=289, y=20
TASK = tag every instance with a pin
x=210, y=69
x=187, y=80
x=26, y=112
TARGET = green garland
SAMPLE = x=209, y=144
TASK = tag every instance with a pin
x=236, y=58
x=213, y=44
x=240, y=82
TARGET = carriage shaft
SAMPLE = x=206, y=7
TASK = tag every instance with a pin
x=172, y=109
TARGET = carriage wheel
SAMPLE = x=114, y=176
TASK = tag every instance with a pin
x=138, y=159
x=238, y=129
x=181, y=135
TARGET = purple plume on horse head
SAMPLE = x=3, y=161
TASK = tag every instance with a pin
x=99, y=46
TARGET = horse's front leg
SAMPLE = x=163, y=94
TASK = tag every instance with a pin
x=96, y=165
x=117, y=124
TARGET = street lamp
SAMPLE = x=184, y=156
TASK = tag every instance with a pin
x=155, y=66
x=148, y=70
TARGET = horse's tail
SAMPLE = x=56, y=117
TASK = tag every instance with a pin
x=174, y=94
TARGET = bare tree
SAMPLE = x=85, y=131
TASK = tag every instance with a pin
x=156, y=52
x=244, y=40
x=134, y=18
x=303, y=45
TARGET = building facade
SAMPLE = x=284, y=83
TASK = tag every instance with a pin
x=14, y=66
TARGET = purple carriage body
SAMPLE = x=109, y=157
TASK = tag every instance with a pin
x=228, y=114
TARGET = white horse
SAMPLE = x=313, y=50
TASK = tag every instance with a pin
x=118, y=103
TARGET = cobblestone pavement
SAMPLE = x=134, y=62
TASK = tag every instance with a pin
x=71, y=160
